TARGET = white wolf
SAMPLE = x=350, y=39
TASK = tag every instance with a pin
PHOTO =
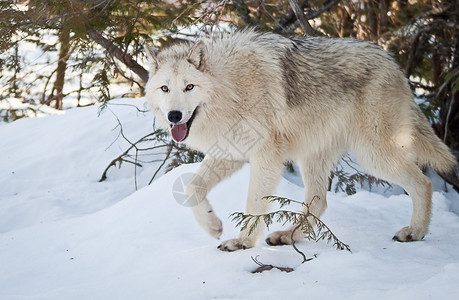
x=266, y=99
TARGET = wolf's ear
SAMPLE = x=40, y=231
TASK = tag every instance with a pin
x=198, y=56
x=152, y=60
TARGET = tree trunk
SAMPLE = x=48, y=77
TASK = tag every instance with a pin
x=64, y=54
x=383, y=20
x=372, y=20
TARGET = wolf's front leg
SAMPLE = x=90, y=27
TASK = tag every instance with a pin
x=210, y=173
x=265, y=171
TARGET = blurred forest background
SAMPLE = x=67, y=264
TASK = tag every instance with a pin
x=63, y=53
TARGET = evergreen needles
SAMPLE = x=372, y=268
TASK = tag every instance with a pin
x=313, y=228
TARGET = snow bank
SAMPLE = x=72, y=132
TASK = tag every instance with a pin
x=50, y=167
x=67, y=236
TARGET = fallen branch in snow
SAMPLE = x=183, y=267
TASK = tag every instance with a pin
x=264, y=267
x=302, y=220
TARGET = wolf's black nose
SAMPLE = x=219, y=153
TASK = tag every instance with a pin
x=174, y=116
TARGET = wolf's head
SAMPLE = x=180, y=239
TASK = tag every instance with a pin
x=178, y=86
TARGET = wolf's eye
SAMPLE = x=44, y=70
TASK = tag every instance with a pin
x=189, y=87
x=164, y=88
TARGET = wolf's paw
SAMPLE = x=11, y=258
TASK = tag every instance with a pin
x=213, y=225
x=236, y=244
x=208, y=220
x=409, y=234
x=279, y=238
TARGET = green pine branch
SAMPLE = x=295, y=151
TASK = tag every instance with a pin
x=303, y=220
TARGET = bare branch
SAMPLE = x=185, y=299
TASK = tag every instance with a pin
x=315, y=13
x=290, y=17
x=168, y=154
x=301, y=17
x=115, y=51
x=120, y=159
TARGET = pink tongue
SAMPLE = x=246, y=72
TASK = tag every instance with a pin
x=179, y=132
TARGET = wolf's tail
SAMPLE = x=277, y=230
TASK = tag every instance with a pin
x=432, y=152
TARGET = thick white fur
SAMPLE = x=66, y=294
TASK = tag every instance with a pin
x=266, y=99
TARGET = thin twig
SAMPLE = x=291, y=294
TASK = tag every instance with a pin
x=272, y=17
x=125, y=153
x=264, y=267
x=294, y=246
x=126, y=104
x=169, y=150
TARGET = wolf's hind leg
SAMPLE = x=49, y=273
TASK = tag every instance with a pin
x=419, y=188
x=315, y=171
x=394, y=164
x=210, y=173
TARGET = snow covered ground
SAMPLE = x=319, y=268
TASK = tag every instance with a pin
x=64, y=235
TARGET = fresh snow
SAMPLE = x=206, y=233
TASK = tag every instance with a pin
x=64, y=235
